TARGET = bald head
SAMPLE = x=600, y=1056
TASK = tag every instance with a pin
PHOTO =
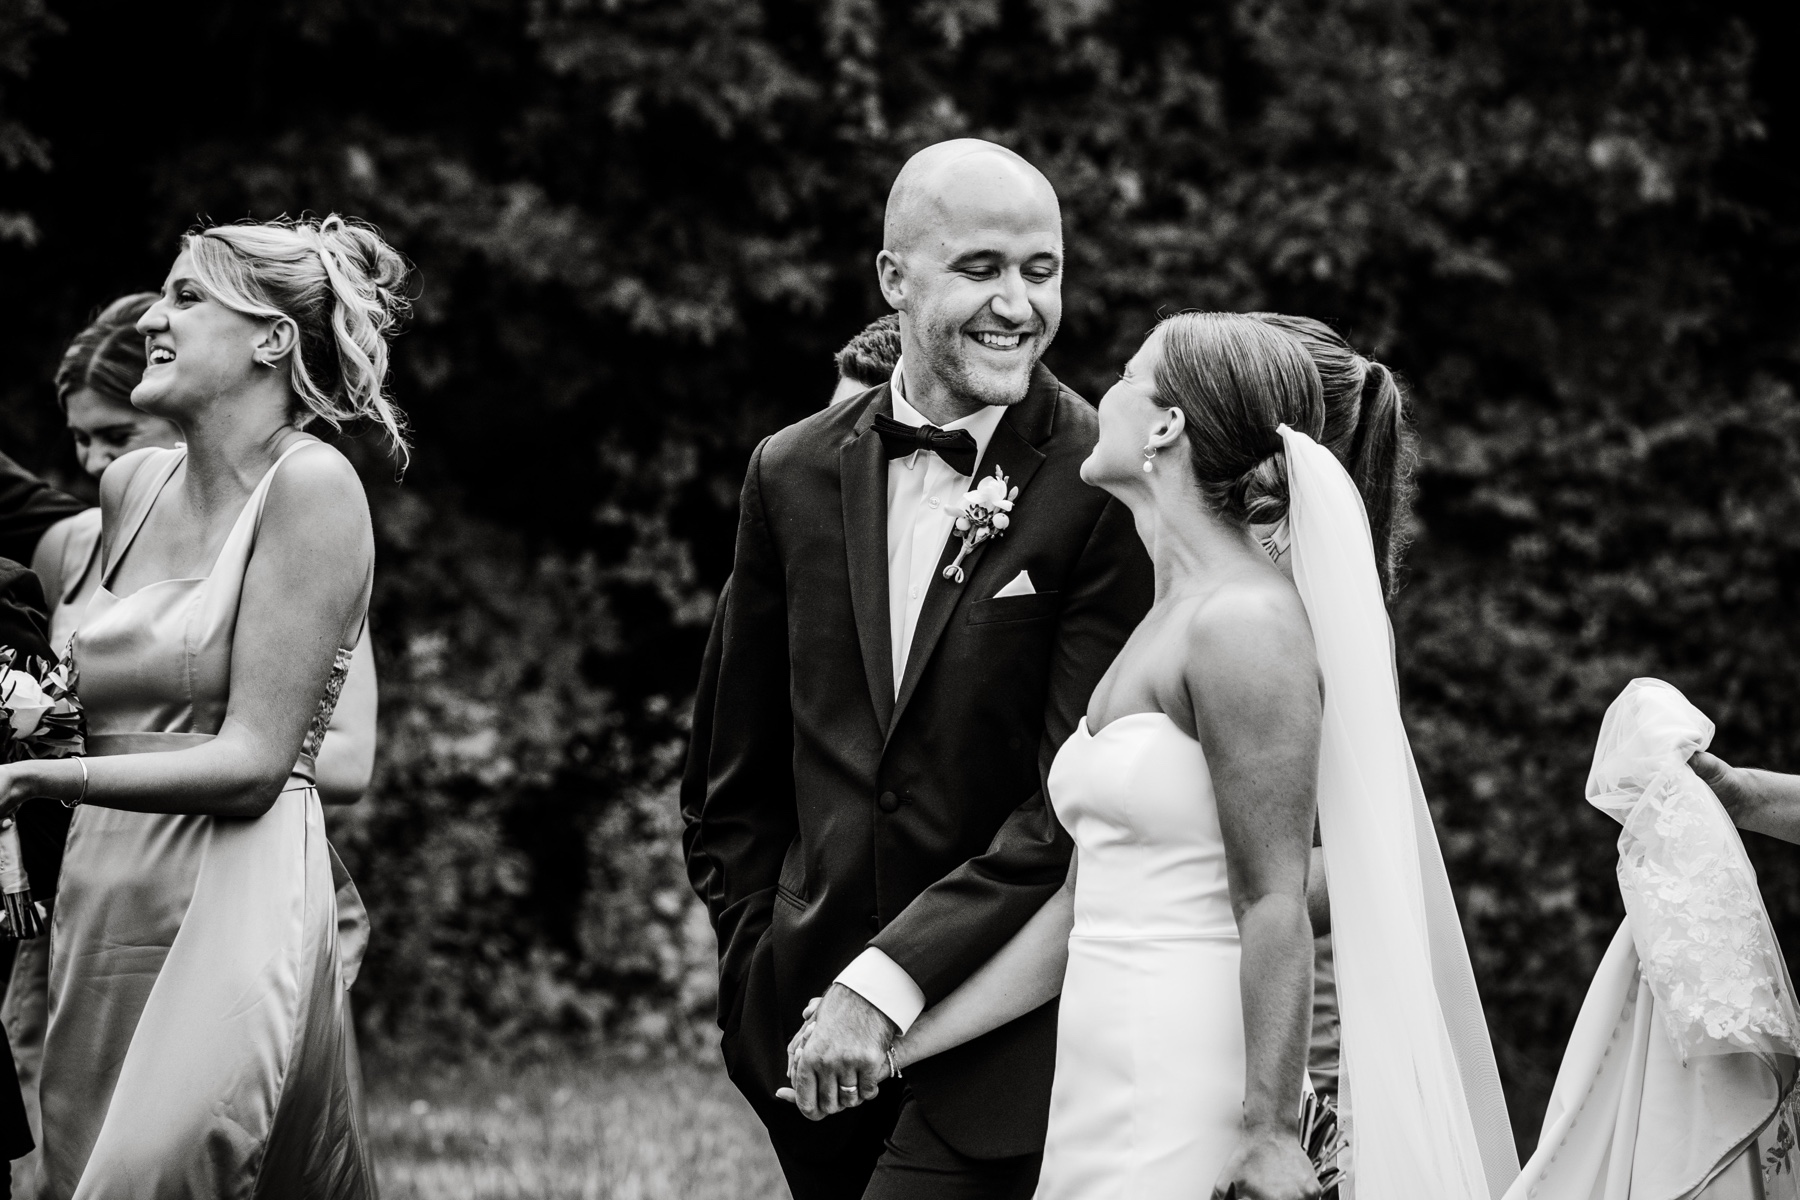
x=966, y=183
x=971, y=259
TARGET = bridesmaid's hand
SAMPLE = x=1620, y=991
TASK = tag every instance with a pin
x=10, y=799
x=1726, y=782
x=1268, y=1165
x=15, y=787
x=30, y=778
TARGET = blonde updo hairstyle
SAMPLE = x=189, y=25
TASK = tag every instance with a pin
x=1236, y=380
x=1366, y=426
x=340, y=283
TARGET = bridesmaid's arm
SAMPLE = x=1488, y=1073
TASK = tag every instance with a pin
x=46, y=561
x=1765, y=802
x=346, y=759
x=1252, y=680
x=1024, y=975
x=304, y=589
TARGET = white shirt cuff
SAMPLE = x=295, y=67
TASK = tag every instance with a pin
x=885, y=984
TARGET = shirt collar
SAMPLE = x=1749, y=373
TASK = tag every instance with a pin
x=980, y=424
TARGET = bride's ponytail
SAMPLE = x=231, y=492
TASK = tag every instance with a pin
x=1381, y=460
x=1367, y=428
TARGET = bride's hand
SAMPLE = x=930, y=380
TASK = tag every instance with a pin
x=1268, y=1165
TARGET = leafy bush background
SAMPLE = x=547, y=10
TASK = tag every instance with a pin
x=642, y=225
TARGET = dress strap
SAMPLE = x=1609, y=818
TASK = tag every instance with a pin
x=140, y=496
x=81, y=555
x=234, y=555
x=260, y=497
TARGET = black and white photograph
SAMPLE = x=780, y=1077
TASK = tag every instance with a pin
x=864, y=600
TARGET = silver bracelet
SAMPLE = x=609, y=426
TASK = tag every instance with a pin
x=893, y=1067
x=82, y=795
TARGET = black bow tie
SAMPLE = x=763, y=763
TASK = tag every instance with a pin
x=954, y=446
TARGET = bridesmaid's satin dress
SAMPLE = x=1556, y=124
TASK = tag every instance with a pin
x=199, y=1022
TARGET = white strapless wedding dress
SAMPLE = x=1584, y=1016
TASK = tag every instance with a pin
x=1149, y=1091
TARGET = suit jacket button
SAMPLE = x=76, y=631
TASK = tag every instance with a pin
x=889, y=802
x=875, y=922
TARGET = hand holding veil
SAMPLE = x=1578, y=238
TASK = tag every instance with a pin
x=1678, y=1078
x=1423, y=1107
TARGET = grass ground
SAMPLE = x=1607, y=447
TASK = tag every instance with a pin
x=590, y=1130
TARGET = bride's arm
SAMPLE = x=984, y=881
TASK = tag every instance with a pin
x=1024, y=975
x=1252, y=680
x=306, y=584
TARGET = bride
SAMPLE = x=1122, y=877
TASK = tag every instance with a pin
x=1244, y=704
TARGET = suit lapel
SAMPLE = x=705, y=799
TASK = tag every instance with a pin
x=1012, y=449
x=862, y=468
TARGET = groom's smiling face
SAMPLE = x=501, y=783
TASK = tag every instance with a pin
x=973, y=262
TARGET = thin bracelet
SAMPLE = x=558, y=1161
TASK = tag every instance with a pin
x=82, y=795
x=893, y=1067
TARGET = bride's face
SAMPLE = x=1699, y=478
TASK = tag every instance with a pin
x=1130, y=418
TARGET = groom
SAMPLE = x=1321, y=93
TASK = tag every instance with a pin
x=864, y=797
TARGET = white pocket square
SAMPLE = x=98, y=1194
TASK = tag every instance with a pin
x=1020, y=586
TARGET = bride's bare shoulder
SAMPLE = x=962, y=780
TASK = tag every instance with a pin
x=1249, y=645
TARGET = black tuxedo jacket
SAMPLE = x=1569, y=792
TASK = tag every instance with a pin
x=28, y=506
x=825, y=813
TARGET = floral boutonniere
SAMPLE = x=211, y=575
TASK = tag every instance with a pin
x=983, y=515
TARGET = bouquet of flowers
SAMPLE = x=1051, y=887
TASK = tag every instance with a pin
x=1323, y=1139
x=40, y=717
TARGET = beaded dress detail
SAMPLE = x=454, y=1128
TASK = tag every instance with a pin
x=334, y=687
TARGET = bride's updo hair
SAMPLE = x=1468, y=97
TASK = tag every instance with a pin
x=1367, y=428
x=1236, y=380
x=340, y=282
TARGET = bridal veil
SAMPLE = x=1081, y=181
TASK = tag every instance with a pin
x=1424, y=1112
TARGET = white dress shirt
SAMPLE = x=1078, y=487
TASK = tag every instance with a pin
x=921, y=489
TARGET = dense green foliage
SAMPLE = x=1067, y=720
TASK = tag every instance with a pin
x=642, y=225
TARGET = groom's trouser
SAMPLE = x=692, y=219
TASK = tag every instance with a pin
x=909, y=1161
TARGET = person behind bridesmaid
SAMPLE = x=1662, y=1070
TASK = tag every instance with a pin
x=198, y=1032
x=94, y=381
x=868, y=359
x=1367, y=429
x=93, y=388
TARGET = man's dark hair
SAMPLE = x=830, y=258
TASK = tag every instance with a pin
x=869, y=357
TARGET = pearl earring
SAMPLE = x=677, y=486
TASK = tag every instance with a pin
x=1149, y=453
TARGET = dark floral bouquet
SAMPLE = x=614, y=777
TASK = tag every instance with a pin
x=40, y=717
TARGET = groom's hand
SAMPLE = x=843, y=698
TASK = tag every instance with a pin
x=843, y=1061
